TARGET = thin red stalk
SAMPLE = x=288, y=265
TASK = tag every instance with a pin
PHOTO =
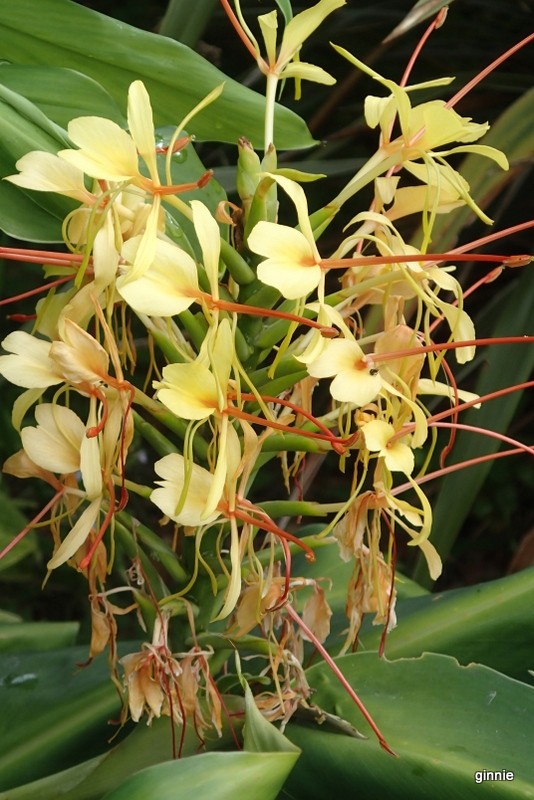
x=293, y=406
x=38, y=290
x=279, y=426
x=30, y=525
x=226, y=712
x=434, y=25
x=450, y=444
x=485, y=72
x=258, y=311
x=40, y=256
x=239, y=30
x=341, y=678
x=432, y=348
x=434, y=258
x=482, y=399
x=492, y=237
x=269, y=525
x=486, y=432
x=470, y=462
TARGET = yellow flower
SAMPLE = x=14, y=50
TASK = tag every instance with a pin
x=297, y=30
x=398, y=457
x=167, y=287
x=190, y=509
x=355, y=381
x=293, y=263
x=424, y=129
x=194, y=391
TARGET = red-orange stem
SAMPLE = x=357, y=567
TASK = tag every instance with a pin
x=341, y=678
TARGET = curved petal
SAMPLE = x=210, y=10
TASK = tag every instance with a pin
x=77, y=536
x=106, y=151
x=55, y=443
x=188, y=390
x=30, y=365
x=46, y=172
x=172, y=469
x=168, y=287
x=141, y=125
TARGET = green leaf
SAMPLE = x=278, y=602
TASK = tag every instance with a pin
x=491, y=623
x=41, y=636
x=54, y=713
x=59, y=33
x=446, y=723
x=145, y=746
x=223, y=776
x=61, y=94
x=34, y=216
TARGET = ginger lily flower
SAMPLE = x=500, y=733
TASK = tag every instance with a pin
x=293, y=263
x=355, y=380
x=167, y=287
x=424, y=129
x=107, y=152
x=184, y=507
x=398, y=457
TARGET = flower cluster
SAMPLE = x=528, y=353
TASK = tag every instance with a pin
x=256, y=349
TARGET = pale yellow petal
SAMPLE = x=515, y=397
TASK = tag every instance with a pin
x=356, y=386
x=55, y=443
x=308, y=72
x=188, y=390
x=337, y=355
x=172, y=469
x=77, y=536
x=79, y=356
x=90, y=466
x=168, y=287
x=209, y=238
x=46, y=172
x=106, y=150
x=141, y=125
x=292, y=280
x=30, y=365
x=303, y=25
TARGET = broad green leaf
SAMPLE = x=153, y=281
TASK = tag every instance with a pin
x=491, y=623
x=58, y=33
x=61, y=94
x=54, y=712
x=445, y=722
x=223, y=776
x=186, y=21
x=145, y=746
x=34, y=216
x=36, y=636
